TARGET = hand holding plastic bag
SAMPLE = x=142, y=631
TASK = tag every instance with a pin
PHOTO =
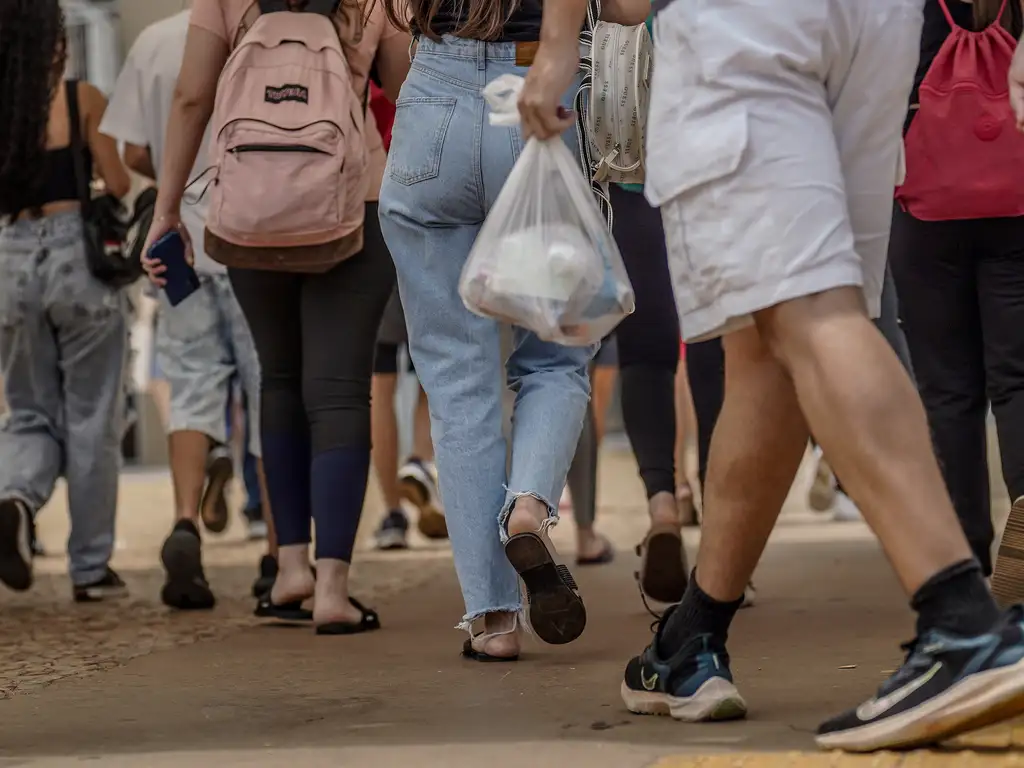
x=544, y=259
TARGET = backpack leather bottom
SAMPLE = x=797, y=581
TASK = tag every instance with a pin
x=309, y=259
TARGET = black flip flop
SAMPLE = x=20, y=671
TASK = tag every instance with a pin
x=557, y=613
x=606, y=555
x=471, y=653
x=293, y=611
x=369, y=622
x=663, y=571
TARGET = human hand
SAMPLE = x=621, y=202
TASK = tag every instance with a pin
x=1017, y=85
x=549, y=77
x=162, y=224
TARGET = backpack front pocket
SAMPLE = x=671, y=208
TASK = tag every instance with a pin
x=280, y=182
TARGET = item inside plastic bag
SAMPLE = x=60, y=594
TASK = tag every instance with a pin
x=544, y=259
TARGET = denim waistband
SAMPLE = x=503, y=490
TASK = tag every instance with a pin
x=462, y=48
x=66, y=225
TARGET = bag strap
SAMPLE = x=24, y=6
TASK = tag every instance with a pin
x=582, y=108
x=82, y=182
x=323, y=7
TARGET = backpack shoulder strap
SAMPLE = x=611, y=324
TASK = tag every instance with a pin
x=77, y=146
x=259, y=7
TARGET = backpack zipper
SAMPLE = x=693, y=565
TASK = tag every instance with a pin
x=276, y=148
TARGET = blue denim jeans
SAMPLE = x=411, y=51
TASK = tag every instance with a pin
x=445, y=169
x=63, y=347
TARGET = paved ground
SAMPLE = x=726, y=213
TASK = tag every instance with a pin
x=133, y=685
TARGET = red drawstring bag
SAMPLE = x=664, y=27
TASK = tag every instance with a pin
x=383, y=113
x=965, y=157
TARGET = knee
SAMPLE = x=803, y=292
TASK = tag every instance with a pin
x=338, y=410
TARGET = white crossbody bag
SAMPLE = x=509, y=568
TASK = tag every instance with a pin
x=612, y=103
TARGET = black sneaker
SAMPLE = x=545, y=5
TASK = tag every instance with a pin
x=268, y=574
x=393, y=532
x=108, y=587
x=694, y=685
x=220, y=469
x=948, y=685
x=15, y=544
x=186, y=587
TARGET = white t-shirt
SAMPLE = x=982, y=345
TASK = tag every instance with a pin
x=139, y=108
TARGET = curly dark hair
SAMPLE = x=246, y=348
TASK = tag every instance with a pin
x=32, y=50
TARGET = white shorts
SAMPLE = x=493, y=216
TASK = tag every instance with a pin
x=774, y=141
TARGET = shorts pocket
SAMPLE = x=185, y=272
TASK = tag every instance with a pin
x=686, y=151
x=421, y=124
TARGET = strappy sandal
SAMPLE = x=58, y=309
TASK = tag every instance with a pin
x=557, y=614
x=470, y=651
x=368, y=622
x=293, y=611
x=663, y=570
x=606, y=555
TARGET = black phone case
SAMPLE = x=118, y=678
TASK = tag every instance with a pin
x=182, y=280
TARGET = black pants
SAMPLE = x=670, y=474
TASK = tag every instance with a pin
x=961, y=289
x=648, y=342
x=315, y=336
x=705, y=368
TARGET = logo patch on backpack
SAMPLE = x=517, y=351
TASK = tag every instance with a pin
x=289, y=92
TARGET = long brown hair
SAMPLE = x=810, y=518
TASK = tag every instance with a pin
x=484, y=18
x=985, y=12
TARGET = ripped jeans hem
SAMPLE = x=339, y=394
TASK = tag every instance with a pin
x=466, y=624
x=510, y=503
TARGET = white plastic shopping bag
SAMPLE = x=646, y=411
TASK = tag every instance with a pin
x=544, y=259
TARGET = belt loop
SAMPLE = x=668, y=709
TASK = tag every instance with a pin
x=481, y=55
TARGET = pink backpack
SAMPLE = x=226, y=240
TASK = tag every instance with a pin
x=287, y=139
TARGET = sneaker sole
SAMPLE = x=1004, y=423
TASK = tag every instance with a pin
x=214, y=509
x=1008, y=575
x=431, y=523
x=714, y=701
x=557, y=613
x=978, y=701
x=15, y=550
x=663, y=571
x=185, y=588
x=100, y=594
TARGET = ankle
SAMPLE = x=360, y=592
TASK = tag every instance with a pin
x=500, y=622
x=663, y=509
x=956, y=599
x=697, y=614
x=527, y=514
x=293, y=559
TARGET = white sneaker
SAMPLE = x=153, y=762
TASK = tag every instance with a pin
x=417, y=482
x=845, y=509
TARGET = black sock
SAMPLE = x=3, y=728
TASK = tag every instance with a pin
x=697, y=614
x=956, y=599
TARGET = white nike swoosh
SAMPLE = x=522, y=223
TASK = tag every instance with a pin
x=873, y=708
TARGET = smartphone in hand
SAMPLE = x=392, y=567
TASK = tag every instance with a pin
x=182, y=280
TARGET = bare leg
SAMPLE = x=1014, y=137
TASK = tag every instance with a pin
x=865, y=413
x=422, y=447
x=602, y=382
x=384, y=430
x=189, y=451
x=756, y=450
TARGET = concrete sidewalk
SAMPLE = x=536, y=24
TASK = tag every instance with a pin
x=824, y=634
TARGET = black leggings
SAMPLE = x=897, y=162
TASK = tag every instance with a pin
x=705, y=368
x=961, y=292
x=315, y=336
x=648, y=342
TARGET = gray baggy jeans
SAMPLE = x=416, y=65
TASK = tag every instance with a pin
x=63, y=347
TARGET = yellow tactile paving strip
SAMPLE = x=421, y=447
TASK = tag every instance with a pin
x=1001, y=746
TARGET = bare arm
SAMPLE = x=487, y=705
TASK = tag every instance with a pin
x=205, y=55
x=139, y=160
x=553, y=69
x=393, y=63
x=103, y=148
x=626, y=12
